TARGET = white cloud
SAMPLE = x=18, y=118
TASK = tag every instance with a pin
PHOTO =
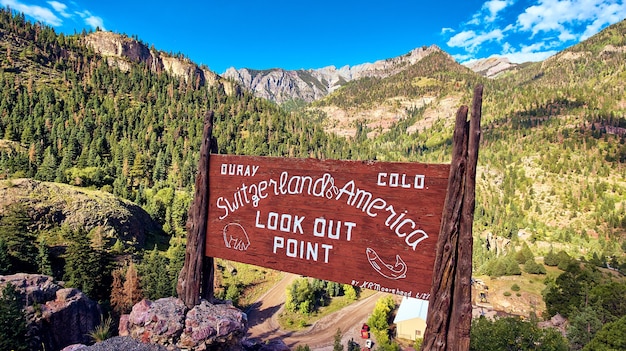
x=59, y=7
x=39, y=13
x=563, y=15
x=447, y=30
x=521, y=57
x=463, y=59
x=91, y=20
x=534, y=52
x=471, y=41
x=494, y=7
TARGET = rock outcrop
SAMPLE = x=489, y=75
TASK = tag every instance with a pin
x=491, y=67
x=53, y=204
x=168, y=322
x=498, y=244
x=57, y=316
x=122, y=52
x=281, y=85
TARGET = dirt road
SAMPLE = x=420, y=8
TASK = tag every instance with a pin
x=263, y=324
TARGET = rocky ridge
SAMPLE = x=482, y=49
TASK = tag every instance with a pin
x=122, y=52
x=491, y=67
x=282, y=85
x=53, y=205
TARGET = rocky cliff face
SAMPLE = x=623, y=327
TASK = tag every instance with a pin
x=56, y=316
x=491, y=67
x=281, y=85
x=122, y=52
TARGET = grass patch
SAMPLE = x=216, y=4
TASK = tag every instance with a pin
x=252, y=281
x=296, y=321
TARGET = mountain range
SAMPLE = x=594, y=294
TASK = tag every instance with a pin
x=278, y=85
x=106, y=112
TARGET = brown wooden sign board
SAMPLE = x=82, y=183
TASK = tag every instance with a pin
x=373, y=225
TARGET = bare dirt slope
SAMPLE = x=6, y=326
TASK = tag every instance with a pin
x=263, y=324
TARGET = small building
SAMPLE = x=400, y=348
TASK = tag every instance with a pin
x=410, y=320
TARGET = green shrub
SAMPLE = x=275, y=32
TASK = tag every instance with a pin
x=533, y=267
x=551, y=259
x=515, y=287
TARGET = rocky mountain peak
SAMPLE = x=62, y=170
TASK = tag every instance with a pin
x=282, y=85
x=121, y=51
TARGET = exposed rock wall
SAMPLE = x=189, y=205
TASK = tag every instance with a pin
x=491, y=67
x=122, y=52
x=281, y=85
x=57, y=316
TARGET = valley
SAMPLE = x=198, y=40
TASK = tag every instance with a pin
x=100, y=136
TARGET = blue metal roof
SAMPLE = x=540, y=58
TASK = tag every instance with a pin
x=411, y=308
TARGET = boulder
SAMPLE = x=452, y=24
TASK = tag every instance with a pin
x=215, y=327
x=168, y=322
x=68, y=319
x=56, y=316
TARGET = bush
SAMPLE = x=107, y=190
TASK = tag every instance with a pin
x=512, y=333
x=563, y=260
x=515, y=287
x=551, y=259
x=533, y=267
x=524, y=254
x=506, y=293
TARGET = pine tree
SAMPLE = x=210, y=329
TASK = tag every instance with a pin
x=337, y=345
x=155, y=279
x=43, y=259
x=18, y=239
x=12, y=321
x=5, y=260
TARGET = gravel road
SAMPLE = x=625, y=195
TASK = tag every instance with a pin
x=263, y=324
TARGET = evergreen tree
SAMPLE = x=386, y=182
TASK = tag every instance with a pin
x=5, y=259
x=155, y=279
x=337, y=345
x=611, y=337
x=19, y=240
x=43, y=259
x=87, y=268
x=12, y=321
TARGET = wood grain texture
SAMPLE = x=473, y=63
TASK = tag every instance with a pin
x=195, y=280
x=450, y=309
x=350, y=222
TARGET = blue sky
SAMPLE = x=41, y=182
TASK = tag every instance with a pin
x=297, y=34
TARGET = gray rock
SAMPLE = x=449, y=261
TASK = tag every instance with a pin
x=56, y=316
x=120, y=343
x=168, y=322
x=281, y=85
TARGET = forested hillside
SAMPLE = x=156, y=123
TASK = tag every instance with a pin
x=67, y=116
x=552, y=173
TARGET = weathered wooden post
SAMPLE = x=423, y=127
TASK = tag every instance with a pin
x=450, y=309
x=195, y=280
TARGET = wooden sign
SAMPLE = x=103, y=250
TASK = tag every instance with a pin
x=373, y=225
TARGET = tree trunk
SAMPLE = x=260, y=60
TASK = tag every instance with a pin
x=450, y=309
x=195, y=280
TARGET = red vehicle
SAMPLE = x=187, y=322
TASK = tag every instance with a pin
x=365, y=331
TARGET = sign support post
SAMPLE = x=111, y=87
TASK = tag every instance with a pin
x=195, y=280
x=450, y=309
